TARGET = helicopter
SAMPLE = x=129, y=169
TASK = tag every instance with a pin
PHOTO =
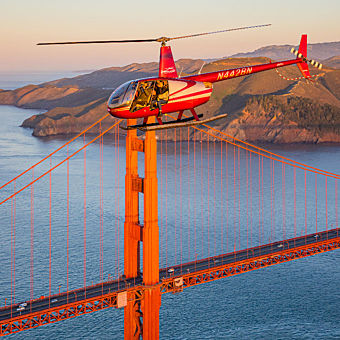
x=170, y=93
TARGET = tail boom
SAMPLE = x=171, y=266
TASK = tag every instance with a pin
x=214, y=77
x=301, y=62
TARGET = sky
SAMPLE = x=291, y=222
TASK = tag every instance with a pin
x=26, y=22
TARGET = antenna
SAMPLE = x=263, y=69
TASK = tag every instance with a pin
x=199, y=72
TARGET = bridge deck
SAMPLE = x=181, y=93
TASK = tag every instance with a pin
x=104, y=295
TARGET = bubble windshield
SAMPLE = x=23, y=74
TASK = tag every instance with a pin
x=123, y=95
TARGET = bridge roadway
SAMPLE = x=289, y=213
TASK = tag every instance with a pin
x=58, y=300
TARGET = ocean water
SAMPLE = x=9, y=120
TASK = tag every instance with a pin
x=11, y=80
x=295, y=300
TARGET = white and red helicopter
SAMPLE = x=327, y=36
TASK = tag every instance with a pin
x=169, y=93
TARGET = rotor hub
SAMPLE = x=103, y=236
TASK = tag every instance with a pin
x=163, y=40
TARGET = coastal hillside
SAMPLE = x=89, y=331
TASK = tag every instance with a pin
x=261, y=107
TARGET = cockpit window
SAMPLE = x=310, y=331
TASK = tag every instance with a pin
x=130, y=92
x=123, y=95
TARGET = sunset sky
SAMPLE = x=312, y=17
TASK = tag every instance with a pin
x=25, y=23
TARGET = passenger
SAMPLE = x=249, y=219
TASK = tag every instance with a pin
x=160, y=95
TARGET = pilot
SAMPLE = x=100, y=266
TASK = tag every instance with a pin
x=142, y=96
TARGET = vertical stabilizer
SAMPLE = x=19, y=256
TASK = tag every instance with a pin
x=167, y=67
x=303, y=45
x=302, y=53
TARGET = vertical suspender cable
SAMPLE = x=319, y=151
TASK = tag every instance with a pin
x=239, y=199
x=32, y=237
x=294, y=204
x=247, y=199
x=251, y=204
x=316, y=203
x=67, y=220
x=100, y=205
x=102, y=200
x=336, y=205
x=227, y=193
x=13, y=214
x=208, y=196
x=181, y=192
x=116, y=204
x=12, y=251
x=14, y=238
x=84, y=217
x=262, y=198
x=259, y=199
x=274, y=199
x=214, y=199
x=284, y=201
x=50, y=233
x=195, y=220
x=305, y=203
x=271, y=200
x=161, y=201
x=188, y=180
x=234, y=210
x=221, y=208
x=175, y=187
x=326, y=203
x=166, y=197
x=118, y=197
x=202, y=193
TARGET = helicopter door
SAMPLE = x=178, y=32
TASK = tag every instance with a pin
x=160, y=94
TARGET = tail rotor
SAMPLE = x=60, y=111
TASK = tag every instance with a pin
x=311, y=61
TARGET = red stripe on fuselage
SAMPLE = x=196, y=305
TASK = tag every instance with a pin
x=190, y=94
x=167, y=108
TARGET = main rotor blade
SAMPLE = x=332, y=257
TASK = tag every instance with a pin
x=97, y=42
x=162, y=39
x=227, y=30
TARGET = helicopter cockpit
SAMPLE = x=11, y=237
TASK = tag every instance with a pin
x=123, y=95
x=140, y=94
x=153, y=93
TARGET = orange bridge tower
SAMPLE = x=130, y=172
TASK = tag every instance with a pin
x=141, y=314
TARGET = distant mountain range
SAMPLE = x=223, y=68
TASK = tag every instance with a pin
x=319, y=51
x=262, y=107
x=333, y=62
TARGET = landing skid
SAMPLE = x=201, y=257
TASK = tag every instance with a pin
x=175, y=124
x=139, y=126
